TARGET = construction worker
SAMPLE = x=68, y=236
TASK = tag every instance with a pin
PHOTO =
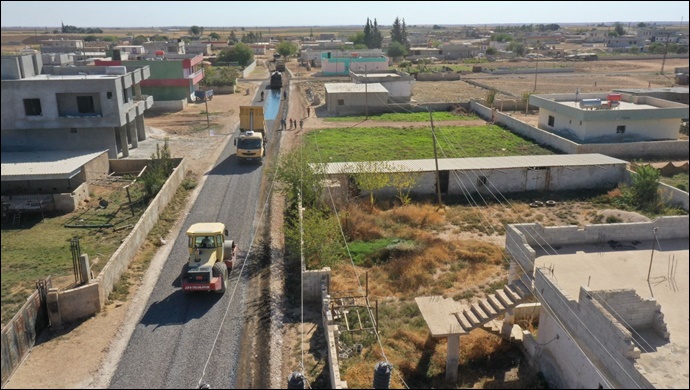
x=308, y=113
x=262, y=96
x=301, y=122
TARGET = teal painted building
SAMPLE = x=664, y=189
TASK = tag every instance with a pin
x=341, y=63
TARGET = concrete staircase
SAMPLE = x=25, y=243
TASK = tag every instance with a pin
x=482, y=313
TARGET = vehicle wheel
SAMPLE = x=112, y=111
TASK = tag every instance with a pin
x=219, y=269
x=183, y=273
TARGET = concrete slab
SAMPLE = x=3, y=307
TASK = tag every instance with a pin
x=608, y=266
x=438, y=312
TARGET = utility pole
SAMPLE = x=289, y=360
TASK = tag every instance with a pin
x=536, y=72
x=438, y=176
x=366, y=94
x=652, y=258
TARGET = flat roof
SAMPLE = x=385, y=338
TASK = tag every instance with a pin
x=625, y=265
x=623, y=106
x=43, y=77
x=44, y=165
x=482, y=163
x=354, y=88
x=376, y=75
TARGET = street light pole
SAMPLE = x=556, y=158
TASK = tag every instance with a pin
x=438, y=176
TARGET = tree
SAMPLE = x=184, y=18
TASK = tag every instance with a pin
x=233, y=36
x=376, y=36
x=214, y=35
x=311, y=33
x=139, y=40
x=619, y=29
x=240, y=53
x=396, y=50
x=396, y=32
x=641, y=25
x=405, y=42
x=399, y=33
x=491, y=51
x=367, y=33
x=643, y=194
x=196, y=30
x=372, y=176
x=220, y=76
x=286, y=49
x=358, y=39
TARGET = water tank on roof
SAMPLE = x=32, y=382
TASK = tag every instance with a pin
x=116, y=70
x=160, y=53
x=614, y=97
x=590, y=103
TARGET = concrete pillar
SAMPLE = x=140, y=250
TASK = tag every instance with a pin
x=453, y=359
x=141, y=128
x=124, y=146
x=132, y=134
x=515, y=272
x=137, y=91
x=85, y=268
x=53, y=303
x=508, y=321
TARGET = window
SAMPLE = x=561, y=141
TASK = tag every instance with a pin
x=620, y=129
x=85, y=105
x=552, y=120
x=110, y=95
x=73, y=130
x=341, y=102
x=32, y=107
x=481, y=180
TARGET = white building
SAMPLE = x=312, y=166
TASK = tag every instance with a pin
x=589, y=118
x=398, y=84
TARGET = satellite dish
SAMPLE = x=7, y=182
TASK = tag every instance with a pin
x=103, y=203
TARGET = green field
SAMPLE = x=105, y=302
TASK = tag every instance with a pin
x=368, y=144
x=403, y=117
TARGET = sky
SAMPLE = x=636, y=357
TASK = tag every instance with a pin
x=331, y=13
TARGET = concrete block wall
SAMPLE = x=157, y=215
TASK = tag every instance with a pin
x=120, y=260
x=249, y=69
x=671, y=227
x=312, y=282
x=87, y=300
x=75, y=304
x=632, y=310
x=673, y=149
x=608, y=342
x=331, y=333
x=559, y=358
x=169, y=105
x=521, y=253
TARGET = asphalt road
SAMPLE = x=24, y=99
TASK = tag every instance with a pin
x=184, y=339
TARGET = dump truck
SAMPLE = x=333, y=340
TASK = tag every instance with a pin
x=251, y=144
x=211, y=258
x=276, y=80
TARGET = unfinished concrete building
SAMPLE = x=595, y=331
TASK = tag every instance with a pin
x=75, y=108
x=612, y=304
